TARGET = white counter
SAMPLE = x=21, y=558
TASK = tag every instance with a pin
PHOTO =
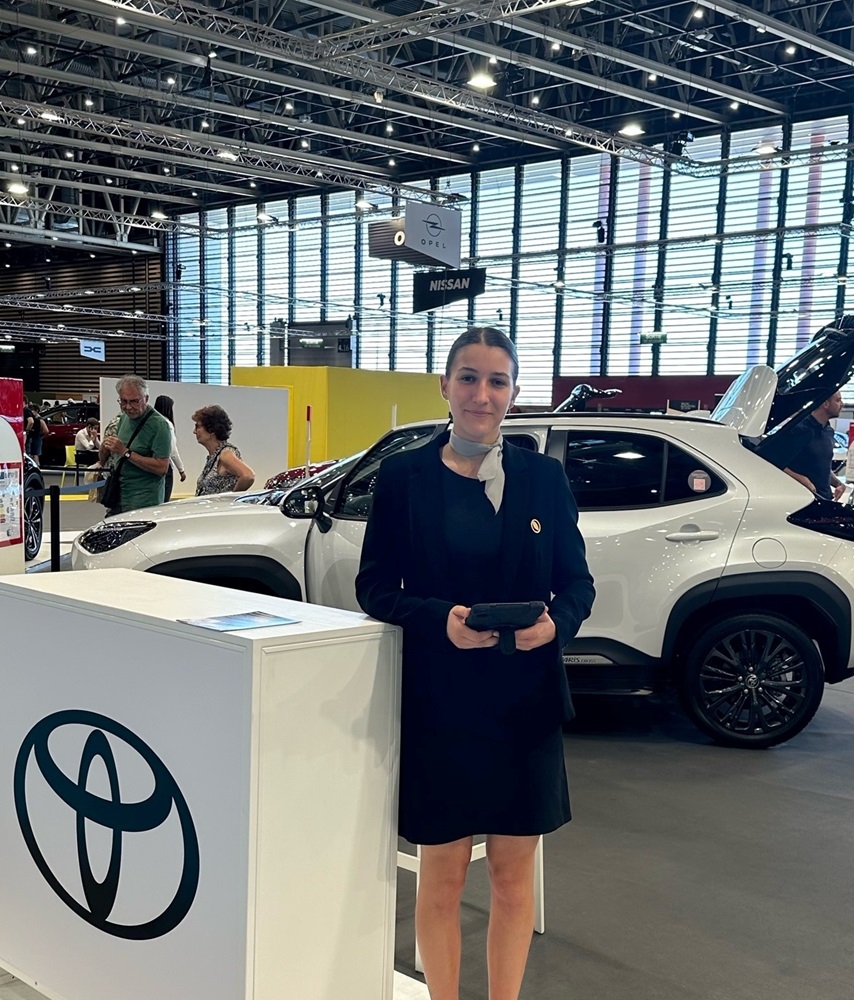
x=133, y=744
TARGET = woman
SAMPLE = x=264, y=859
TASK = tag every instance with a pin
x=224, y=471
x=165, y=406
x=36, y=429
x=87, y=441
x=469, y=519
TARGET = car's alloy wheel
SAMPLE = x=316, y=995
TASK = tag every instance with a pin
x=33, y=516
x=752, y=681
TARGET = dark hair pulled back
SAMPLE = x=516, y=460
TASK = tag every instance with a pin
x=489, y=336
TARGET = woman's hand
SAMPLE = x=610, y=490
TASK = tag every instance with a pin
x=541, y=632
x=183, y=475
x=464, y=637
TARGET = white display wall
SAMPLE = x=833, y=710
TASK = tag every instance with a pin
x=260, y=419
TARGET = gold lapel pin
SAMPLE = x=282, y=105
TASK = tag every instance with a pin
x=536, y=527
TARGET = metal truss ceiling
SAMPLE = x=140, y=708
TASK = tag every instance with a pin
x=111, y=110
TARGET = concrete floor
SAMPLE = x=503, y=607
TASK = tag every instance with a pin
x=690, y=872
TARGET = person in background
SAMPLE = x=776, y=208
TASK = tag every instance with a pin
x=810, y=458
x=142, y=466
x=465, y=519
x=87, y=442
x=224, y=471
x=165, y=406
x=35, y=429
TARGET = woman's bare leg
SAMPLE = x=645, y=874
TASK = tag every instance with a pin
x=511, y=917
x=437, y=915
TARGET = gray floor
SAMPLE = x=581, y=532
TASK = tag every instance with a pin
x=689, y=871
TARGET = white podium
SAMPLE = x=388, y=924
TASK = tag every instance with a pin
x=194, y=814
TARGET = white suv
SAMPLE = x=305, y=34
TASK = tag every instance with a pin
x=715, y=571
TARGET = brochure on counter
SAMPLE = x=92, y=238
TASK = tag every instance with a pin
x=239, y=622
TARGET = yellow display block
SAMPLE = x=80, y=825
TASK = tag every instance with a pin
x=350, y=407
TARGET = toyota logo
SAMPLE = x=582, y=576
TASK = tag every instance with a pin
x=114, y=815
x=434, y=225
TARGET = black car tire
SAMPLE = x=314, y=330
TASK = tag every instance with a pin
x=752, y=681
x=33, y=514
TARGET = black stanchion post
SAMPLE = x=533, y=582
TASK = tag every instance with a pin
x=53, y=494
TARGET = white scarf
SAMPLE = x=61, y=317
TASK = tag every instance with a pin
x=491, y=469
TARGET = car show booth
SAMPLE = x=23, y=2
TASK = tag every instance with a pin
x=204, y=809
x=349, y=407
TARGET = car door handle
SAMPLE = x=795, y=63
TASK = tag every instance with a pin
x=690, y=533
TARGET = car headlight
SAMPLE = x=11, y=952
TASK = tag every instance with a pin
x=104, y=537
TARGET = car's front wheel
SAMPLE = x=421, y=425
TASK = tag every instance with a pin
x=33, y=515
x=752, y=680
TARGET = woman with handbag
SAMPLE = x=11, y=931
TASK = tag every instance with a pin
x=462, y=520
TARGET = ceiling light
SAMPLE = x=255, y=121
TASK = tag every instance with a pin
x=304, y=143
x=212, y=54
x=363, y=204
x=170, y=81
x=632, y=129
x=391, y=162
x=166, y=170
x=760, y=29
x=555, y=46
x=17, y=187
x=227, y=154
x=482, y=80
x=54, y=238
x=15, y=167
x=194, y=194
x=652, y=77
x=476, y=147
x=766, y=148
x=734, y=105
x=677, y=114
x=698, y=12
x=49, y=116
x=205, y=123
x=535, y=100
x=264, y=217
x=158, y=215
x=69, y=154
x=20, y=121
x=31, y=51
x=389, y=128
x=289, y=106
x=89, y=291
x=120, y=20
x=493, y=61
x=134, y=288
x=109, y=180
x=92, y=256
x=790, y=50
x=8, y=245
x=252, y=184
x=89, y=102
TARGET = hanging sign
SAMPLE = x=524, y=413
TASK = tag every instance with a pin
x=434, y=289
x=94, y=349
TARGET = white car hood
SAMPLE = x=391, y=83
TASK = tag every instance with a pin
x=746, y=405
x=177, y=510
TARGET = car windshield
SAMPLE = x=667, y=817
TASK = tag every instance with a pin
x=326, y=479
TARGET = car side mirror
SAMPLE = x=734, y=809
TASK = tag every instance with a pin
x=306, y=502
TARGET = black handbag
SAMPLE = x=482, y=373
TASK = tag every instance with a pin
x=110, y=494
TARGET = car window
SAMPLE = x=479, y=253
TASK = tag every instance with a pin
x=522, y=441
x=357, y=492
x=622, y=470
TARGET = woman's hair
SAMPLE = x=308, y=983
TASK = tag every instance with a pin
x=489, y=336
x=215, y=421
x=93, y=422
x=163, y=405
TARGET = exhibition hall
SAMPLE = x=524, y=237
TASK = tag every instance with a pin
x=426, y=499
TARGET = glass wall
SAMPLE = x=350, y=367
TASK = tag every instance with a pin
x=583, y=255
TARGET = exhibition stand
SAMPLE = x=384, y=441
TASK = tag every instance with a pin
x=194, y=813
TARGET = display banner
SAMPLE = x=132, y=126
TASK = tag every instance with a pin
x=433, y=231
x=94, y=349
x=434, y=289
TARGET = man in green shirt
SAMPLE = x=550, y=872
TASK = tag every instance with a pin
x=143, y=469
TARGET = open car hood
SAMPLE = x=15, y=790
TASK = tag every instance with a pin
x=768, y=403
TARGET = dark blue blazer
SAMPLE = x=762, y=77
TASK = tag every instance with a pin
x=406, y=578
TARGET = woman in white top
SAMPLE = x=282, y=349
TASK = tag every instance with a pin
x=164, y=406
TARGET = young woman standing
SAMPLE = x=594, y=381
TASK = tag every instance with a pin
x=471, y=519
